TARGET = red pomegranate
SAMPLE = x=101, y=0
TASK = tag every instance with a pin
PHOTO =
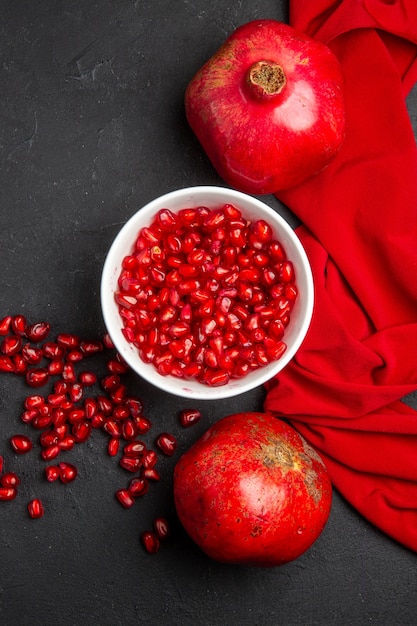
x=268, y=107
x=251, y=491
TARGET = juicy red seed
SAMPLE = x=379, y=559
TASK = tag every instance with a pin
x=32, y=402
x=98, y=420
x=138, y=486
x=188, y=417
x=67, y=443
x=91, y=347
x=115, y=367
x=35, y=508
x=81, y=431
x=21, y=444
x=150, y=541
x=90, y=407
x=19, y=324
x=52, y=473
x=142, y=424
x=161, y=527
x=112, y=428
x=129, y=430
x=68, y=341
x=7, y=493
x=130, y=463
x=51, y=452
x=113, y=446
x=125, y=498
x=76, y=415
x=11, y=345
x=53, y=351
x=134, y=448
x=76, y=392
x=104, y=404
x=48, y=438
x=107, y=342
x=150, y=473
x=87, y=378
x=67, y=472
x=6, y=364
x=10, y=479
x=20, y=365
x=167, y=443
x=150, y=459
x=74, y=356
x=37, y=377
x=55, y=367
x=110, y=382
x=5, y=325
x=38, y=332
x=68, y=373
x=56, y=399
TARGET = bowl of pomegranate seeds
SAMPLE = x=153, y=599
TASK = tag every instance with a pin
x=207, y=292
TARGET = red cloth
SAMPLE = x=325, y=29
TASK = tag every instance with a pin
x=343, y=390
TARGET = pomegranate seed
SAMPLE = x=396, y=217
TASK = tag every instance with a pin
x=150, y=473
x=67, y=443
x=138, y=487
x=68, y=373
x=38, y=332
x=188, y=417
x=130, y=463
x=113, y=446
x=6, y=364
x=7, y=493
x=76, y=392
x=125, y=498
x=161, y=527
x=112, y=428
x=5, y=325
x=91, y=347
x=68, y=341
x=67, y=472
x=166, y=443
x=150, y=541
x=81, y=431
x=10, y=479
x=19, y=324
x=134, y=448
x=35, y=509
x=52, y=473
x=129, y=430
x=107, y=342
x=48, y=438
x=37, y=377
x=51, y=452
x=11, y=345
x=21, y=444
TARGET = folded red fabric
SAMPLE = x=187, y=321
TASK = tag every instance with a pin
x=343, y=390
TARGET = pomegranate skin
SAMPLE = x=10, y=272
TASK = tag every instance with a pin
x=251, y=491
x=268, y=128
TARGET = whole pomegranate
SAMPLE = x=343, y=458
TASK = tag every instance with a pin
x=268, y=107
x=251, y=491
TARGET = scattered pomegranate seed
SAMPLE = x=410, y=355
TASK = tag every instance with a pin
x=150, y=541
x=125, y=498
x=161, y=527
x=167, y=443
x=7, y=493
x=113, y=446
x=10, y=479
x=21, y=444
x=52, y=473
x=67, y=472
x=35, y=509
x=188, y=417
x=138, y=487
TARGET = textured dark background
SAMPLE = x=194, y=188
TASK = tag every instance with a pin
x=92, y=127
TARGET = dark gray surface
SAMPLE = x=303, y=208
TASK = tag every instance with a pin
x=92, y=127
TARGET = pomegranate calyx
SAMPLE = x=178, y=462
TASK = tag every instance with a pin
x=266, y=79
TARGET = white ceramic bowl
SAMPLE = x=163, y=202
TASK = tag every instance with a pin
x=211, y=197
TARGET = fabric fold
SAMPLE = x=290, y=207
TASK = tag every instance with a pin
x=343, y=389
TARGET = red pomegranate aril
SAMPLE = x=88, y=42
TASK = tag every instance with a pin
x=118, y=394
x=6, y=364
x=108, y=342
x=55, y=367
x=29, y=415
x=125, y=498
x=286, y=272
x=91, y=347
x=37, y=377
x=52, y=473
x=5, y=325
x=104, y=404
x=135, y=406
x=10, y=479
x=51, y=452
x=76, y=415
x=48, y=438
x=81, y=431
x=74, y=356
x=149, y=459
x=120, y=412
x=142, y=424
x=188, y=417
x=53, y=351
x=150, y=473
x=90, y=407
x=67, y=472
x=130, y=463
x=59, y=416
x=68, y=373
x=129, y=431
x=167, y=443
x=21, y=444
x=150, y=541
x=112, y=428
x=113, y=446
x=19, y=324
x=67, y=442
x=98, y=420
x=7, y=494
x=35, y=508
x=161, y=527
x=61, y=430
x=114, y=366
x=134, y=448
x=38, y=332
x=76, y=392
x=11, y=345
x=20, y=365
x=68, y=341
x=138, y=487
x=274, y=349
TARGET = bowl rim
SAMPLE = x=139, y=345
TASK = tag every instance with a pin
x=111, y=267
